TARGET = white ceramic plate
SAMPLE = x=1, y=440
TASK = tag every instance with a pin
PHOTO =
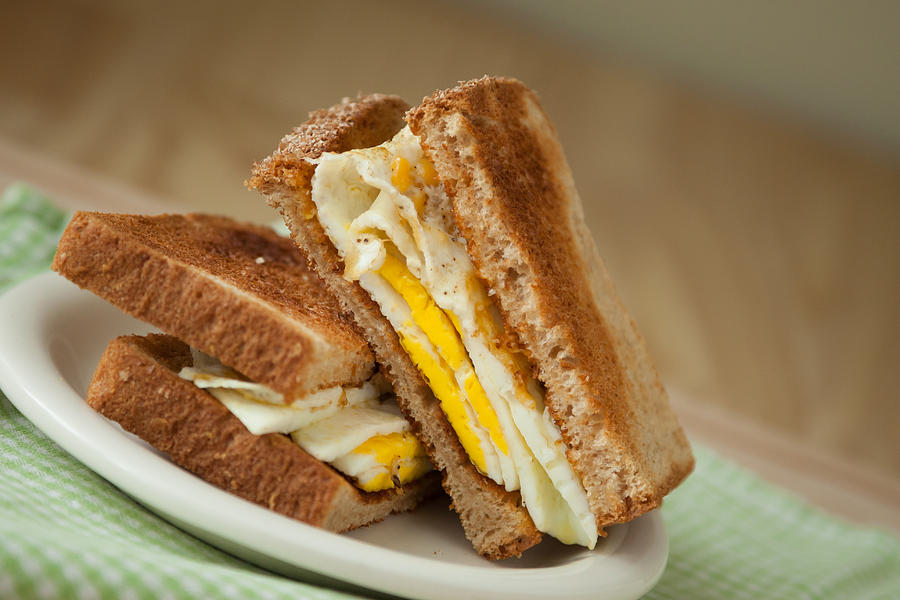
x=52, y=337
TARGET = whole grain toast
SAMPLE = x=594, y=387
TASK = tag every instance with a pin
x=493, y=519
x=515, y=203
x=137, y=385
x=236, y=291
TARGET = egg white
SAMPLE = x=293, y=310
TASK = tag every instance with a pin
x=263, y=410
x=340, y=433
x=329, y=424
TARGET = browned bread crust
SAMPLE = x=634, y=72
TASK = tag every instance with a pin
x=136, y=384
x=493, y=519
x=360, y=123
x=515, y=203
x=236, y=291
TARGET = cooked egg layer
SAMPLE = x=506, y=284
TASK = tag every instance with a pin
x=376, y=207
x=350, y=428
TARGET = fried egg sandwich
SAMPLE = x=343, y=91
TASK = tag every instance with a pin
x=454, y=235
x=262, y=387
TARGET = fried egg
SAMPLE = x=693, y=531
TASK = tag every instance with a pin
x=379, y=207
x=352, y=428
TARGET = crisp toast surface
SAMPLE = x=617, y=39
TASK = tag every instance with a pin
x=236, y=291
x=493, y=519
x=137, y=385
x=516, y=205
x=360, y=123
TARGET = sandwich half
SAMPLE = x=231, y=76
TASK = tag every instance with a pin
x=454, y=234
x=262, y=387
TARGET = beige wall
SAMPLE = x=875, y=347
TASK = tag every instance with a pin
x=834, y=61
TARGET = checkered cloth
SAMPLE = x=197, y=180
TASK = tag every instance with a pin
x=30, y=226
x=67, y=533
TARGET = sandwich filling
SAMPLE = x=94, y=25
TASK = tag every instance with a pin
x=384, y=209
x=356, y=430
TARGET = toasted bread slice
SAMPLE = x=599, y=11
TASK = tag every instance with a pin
x=236, y=291
x=516, y=205
x=493, y=519
x=137, y=385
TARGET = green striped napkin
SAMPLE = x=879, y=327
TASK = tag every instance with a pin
x=30, y=226
x=67, y=533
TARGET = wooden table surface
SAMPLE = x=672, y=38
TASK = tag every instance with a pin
x=758, y=252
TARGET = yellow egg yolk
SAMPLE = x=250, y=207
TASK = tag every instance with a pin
x=403, y=175
x=442, y=333
x=402, y=457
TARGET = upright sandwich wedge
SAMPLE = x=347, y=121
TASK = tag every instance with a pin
x=298, y=421
x=454, y=234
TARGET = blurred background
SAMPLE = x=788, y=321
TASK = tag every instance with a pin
x=739, y=162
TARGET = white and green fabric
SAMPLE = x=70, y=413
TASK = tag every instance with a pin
x=67, y=533
x=30, y=226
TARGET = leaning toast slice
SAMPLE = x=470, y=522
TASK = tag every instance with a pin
x=515, y=203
